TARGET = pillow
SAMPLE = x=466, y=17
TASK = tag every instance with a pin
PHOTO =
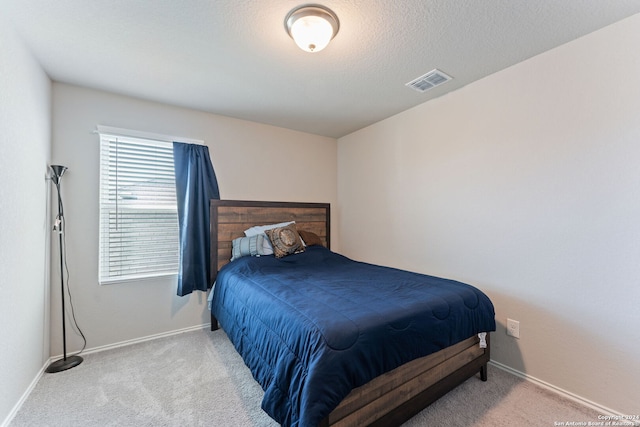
x=249, y=246
x=285, y=240
x=260, y=229
x=309, y=238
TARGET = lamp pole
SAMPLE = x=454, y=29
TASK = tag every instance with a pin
x=71, y=361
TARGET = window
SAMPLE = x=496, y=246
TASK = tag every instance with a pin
x=138, y=210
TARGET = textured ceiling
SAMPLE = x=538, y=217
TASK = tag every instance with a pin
x=233, y=57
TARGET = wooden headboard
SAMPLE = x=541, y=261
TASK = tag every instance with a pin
x=229, y=219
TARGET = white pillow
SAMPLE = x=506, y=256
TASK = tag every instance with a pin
x=259, y=229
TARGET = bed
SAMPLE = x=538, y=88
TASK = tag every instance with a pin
x=327, y=349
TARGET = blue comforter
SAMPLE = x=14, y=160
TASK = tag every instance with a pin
x=315, y=325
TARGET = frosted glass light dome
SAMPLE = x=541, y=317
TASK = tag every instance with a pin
x=312, y=27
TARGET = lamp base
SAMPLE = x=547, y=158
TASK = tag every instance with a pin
x=64, y=364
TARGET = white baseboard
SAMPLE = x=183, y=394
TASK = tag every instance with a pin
x=24, y=396
x=603, y=410
x=33, y=384
x=143, y=339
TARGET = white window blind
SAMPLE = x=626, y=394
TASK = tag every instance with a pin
x=138, y=210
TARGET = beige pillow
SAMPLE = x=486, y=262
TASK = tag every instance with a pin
x=285, y=240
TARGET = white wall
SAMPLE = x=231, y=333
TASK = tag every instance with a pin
x=527, y=185
x=25, y=133
x=249, y=160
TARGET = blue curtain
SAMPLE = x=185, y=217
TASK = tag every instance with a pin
x=196, y=184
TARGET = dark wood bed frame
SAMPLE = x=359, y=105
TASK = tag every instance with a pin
x=391, y=398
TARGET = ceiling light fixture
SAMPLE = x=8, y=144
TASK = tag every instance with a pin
x=312, y=26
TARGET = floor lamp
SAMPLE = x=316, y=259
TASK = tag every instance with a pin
x=66, y=362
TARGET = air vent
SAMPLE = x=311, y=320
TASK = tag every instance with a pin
x=430, y=80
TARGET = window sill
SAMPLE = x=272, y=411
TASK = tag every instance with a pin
x=137, y=279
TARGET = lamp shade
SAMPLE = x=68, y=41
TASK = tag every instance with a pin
x=312, y=27
x=56, y=173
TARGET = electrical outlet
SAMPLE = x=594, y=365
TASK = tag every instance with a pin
x=513, y=328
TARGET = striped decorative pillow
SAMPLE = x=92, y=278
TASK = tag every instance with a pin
x=248, y=246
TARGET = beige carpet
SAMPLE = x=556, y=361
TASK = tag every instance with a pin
x=197, y=379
